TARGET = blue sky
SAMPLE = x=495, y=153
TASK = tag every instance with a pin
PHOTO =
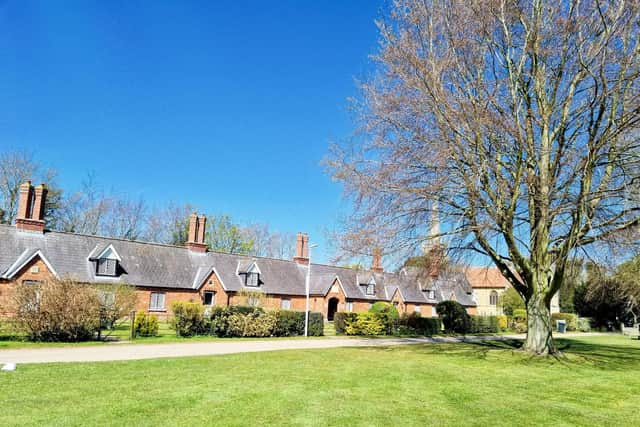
x=229, y=105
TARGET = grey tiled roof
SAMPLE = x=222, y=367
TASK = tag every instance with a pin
x=165, y=266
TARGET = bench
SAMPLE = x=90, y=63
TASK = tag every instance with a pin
x=633, y=331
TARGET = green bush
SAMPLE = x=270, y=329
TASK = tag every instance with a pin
x=288, y=323
x=340, y=321
x=260, y=324
x=145, y=325
x=316, y=324
x=388, y=313
x=454, y=317
x=570, y=318
x=188, y=319
x=584, y=324
x=519, y=314
x=503, y=323
x=416, y=324
x=366, y=324
x=484, y=325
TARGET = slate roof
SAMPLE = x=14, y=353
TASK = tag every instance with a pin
x=175, y=267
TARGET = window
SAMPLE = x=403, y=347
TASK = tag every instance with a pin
x=417, y=309
x=252, y=279
x=106, y=267
x=156, y=302
x=209, y=298
x=107, y=298
x=32, y=282
x=431, y=294
x=493, y=298
x=371, y=289
x=349, y=306
x=285, y=304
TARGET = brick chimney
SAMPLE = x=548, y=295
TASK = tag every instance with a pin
x=376, y=263
x=197, y=228
x=302, y=249
x=31, y=204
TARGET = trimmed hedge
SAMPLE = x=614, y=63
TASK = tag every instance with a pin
x=188, y=319
x=367, y=324
x=570, y=318
x=241, y=321
x=484, y=325
x=427, y=326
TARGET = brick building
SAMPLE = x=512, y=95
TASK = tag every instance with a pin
x=162, y=274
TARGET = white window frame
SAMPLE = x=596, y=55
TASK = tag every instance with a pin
x=349, y=306
x=106, y=267
x=213, y=298
x=417, y=309
x=252, y=280
x=371, y=289
x=285, y=303
x=157, y=307
x=493, y=295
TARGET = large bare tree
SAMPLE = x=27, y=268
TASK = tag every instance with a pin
x=519, y=118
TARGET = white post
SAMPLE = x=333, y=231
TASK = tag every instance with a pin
x=306, y=286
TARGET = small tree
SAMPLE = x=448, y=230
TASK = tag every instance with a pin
x=511, y=300
x=116, y=302
x=454, y=317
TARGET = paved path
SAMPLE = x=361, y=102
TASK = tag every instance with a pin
x=107, y=352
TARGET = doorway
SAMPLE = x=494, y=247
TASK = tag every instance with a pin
x=332, y=309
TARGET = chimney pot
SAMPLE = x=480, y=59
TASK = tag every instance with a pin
x=195, y=240
x=31, y=205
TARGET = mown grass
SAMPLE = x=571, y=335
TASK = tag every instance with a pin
x=489, y=383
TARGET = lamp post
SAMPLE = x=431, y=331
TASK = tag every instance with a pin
x=306, y=286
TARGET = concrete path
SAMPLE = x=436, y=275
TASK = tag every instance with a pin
x=101, y=353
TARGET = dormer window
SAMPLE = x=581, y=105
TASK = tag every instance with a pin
x=252, y=279
x=106, y=262
x=371, y=289
x=431, y=294
x=106, y=267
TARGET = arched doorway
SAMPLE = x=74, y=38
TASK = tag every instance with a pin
x=333, y=307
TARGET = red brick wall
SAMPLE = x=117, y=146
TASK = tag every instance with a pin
x=34, y=270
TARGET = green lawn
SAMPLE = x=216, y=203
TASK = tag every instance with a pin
x=596, y=383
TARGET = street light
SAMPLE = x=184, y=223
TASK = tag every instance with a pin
x=307, y=281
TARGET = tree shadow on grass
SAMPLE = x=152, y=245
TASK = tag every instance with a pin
x=572, y=352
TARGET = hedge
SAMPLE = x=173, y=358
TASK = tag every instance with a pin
x=340, y=321
x=426, y=326
x=484, y=325
x=367, y=323
x=243, y=321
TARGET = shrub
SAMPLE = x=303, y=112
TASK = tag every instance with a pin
x=484, y=324
x=260, y=324
x=366, y=324
x=584, y=324
x=288, y=323
x=145, y=325
x=388, y=313
x=340, y=321
x=454, y=317
x=570, y=318
x=510, y=301
x=520, y=314
x=116, y=302
x=502, y=322
x=57, y=310
x=316, y=324
x=188, y=319
x=418, y=325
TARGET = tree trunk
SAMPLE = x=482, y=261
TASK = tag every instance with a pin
x=539, y=338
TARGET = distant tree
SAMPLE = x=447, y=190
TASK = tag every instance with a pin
x=169, y=224
x=574, y=277
x=268, y=243
x=223, y=235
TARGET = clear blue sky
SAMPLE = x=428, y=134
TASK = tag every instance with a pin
x=229, y=105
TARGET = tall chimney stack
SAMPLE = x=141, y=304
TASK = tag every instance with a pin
x=31, y=208
x=302, y=249
x=197, y=225
x=376, y=264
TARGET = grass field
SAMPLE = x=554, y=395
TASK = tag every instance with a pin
x=596, y=383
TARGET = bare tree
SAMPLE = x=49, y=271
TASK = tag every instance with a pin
x=267, y=243
x=169, y=224
x=519, y=118
x=84, y=211
x=17, y=167
x=126, y=218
